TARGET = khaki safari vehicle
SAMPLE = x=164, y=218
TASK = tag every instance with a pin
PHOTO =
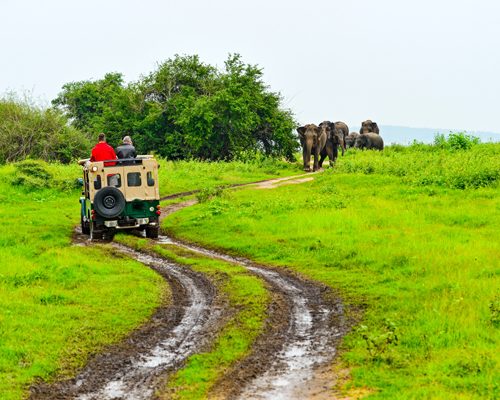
x=120, y=194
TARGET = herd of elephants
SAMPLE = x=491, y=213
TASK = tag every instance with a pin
x=324, y=140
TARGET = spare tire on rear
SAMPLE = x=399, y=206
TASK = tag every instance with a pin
x=109, y=202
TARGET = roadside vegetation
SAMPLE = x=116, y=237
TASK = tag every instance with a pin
x=247, y=299
x=409, y=237
x=27, y=130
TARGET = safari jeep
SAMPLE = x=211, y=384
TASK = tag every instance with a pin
x=120, y=194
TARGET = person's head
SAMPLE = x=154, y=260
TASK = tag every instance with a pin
x=102, y=137
x=127, y=140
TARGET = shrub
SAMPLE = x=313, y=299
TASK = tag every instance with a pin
x=456, y=141
x=27, y=131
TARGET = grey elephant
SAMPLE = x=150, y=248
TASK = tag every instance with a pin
x=350, y=139
x=369, y=126
x=369, y=140
x=333, y=142
x=313, y=140
x=334, y=136
x=343, y=130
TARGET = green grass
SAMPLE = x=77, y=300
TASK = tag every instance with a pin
x=181, y=176
x=246, y=296
x=59, y=303
x=400, y=240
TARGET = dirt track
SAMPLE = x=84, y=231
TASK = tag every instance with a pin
x=289, y=361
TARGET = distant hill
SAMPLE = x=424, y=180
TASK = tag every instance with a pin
x=406, y=135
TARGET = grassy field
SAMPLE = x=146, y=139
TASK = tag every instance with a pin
x=58, y=302
x=410, y=239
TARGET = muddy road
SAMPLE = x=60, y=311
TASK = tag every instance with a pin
x=136, y=368
x=290, y=360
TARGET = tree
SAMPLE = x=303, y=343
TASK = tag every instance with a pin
x=186, y=109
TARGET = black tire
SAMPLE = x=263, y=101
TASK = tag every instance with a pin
x=85, y=226
x=152, y=232
x=109, y=202
x=108, y=234
x=94, y=233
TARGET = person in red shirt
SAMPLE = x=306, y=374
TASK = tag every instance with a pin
x=103, y=151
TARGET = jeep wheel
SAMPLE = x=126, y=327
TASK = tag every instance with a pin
x=109, y=202
x=108, y=235
x=152, y=232
x=85, y=226
x=94, y=233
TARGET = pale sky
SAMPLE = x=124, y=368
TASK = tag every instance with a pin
x=420, y=63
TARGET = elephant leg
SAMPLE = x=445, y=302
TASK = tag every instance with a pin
x=329, y=151
x=342, y=145
x=316, y=159
x=333, y=154
x=321, y=159
x=306, y=157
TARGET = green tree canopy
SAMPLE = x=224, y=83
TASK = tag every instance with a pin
x=186, y=109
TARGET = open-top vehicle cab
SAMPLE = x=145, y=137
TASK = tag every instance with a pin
x=120, y=194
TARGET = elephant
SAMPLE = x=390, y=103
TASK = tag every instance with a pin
x=369, y=140
x=350, y=139
x=343, y=129
x=333, y=141
x=334, y=135
x=313, y=140
x=369, y=126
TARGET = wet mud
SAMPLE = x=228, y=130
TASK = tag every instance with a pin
x=286, y=361
x=137, y=367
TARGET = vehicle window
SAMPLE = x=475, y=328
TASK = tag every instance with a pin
x=134, y=179
x=114, y=180
x=150, y=179
x=97, y=182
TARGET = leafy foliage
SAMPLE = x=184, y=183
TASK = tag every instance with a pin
x=378, y=343
x=455, y=141
x=186, y=109
x=30, y=131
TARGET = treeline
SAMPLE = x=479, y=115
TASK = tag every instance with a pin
x=185, y=109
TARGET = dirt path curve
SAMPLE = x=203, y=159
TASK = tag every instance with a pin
x=299, y=366
x=263, y=184
x=134, y=369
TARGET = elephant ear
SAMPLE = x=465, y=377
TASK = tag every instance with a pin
x=375, y=128
x=301, y=130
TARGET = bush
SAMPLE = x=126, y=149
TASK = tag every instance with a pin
x=27, y=131
x=456, y=141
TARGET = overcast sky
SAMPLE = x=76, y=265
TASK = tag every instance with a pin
x=427, y=63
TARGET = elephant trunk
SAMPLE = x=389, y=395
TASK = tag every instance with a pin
x=306, y=153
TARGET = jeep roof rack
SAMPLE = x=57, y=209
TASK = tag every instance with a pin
x=137, y=160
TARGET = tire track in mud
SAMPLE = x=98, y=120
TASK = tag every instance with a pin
x=137, y=367
x=306, y=343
